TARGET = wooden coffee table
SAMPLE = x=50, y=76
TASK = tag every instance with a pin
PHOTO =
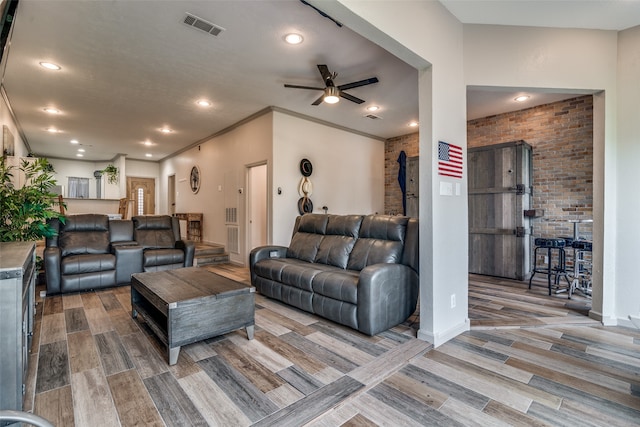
x=187, y=305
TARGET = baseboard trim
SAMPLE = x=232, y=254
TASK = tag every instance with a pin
x=440, y=338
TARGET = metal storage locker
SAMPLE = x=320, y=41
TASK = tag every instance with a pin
x=500, y=179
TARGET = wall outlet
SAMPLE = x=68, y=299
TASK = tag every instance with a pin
x=453, y=300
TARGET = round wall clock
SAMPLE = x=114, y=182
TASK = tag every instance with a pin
x=194, y=179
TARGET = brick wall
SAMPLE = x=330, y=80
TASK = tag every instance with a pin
x=392, y=149
x=561, y=135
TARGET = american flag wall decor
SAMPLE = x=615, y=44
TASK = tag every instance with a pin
x=449, y=160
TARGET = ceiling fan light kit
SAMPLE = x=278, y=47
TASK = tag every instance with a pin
x=333, y=93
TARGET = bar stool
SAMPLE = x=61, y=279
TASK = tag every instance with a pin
x=581, y=268
x=559, y=270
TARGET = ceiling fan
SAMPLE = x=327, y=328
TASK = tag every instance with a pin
x=331, y=91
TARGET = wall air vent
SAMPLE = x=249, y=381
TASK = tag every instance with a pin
x=372, y=116
x=201, y=24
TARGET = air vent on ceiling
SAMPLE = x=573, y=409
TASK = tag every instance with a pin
x=201, y=24
x=372, y=116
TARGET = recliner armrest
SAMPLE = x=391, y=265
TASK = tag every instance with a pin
x=52, y=257
x=128, y=261
x=265, y=252
x=189, y=248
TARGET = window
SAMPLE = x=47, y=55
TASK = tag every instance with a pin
x=78, y=187
x=140, y=201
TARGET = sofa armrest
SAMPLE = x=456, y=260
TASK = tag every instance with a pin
x=265, y=252
x=128, y=261
x=189, y=248
x=52, y=257
x=387, y=296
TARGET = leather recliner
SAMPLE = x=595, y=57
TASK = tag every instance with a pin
x=79, y=256
x=159, y=237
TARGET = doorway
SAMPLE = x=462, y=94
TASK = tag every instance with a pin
x=257, y=212
x=143, y=193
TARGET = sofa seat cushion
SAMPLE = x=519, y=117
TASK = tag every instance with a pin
x=88, y=263
x=154, y=257
x=338, y=311
x=290, y=271
x=341, y=285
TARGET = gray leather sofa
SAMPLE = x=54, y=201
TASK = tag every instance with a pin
x=91, y=252
x=359, y=271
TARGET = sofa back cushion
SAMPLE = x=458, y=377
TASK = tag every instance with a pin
x=154, y=231
x=341, y=234
x=381, y=240
x=84, y=234
x=307, y=235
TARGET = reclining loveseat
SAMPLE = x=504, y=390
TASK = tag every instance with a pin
x=359, y=271
x=89, y=251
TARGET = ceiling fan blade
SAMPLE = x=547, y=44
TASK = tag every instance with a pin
x=351, y=98
x=326, y=75
x=364, y=82
x=319, y=100
x=303, y=87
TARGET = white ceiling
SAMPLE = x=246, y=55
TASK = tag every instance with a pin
x=132, y=67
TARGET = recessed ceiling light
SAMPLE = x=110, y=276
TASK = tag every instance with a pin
x=81, y=150
x=521, y=98
x=74, y=141
x=149, y=155
x=51, y=110
x=413, y=124
x=50, y=66
x=203, y=103
x=166, y=130
x=148, y=143
x=293, y=38
x=79, y=155
x=373, y=108
x=52, y=130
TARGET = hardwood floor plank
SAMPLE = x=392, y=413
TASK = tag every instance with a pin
x=90, y=300
x=313, y=405
x=512, y=416
x=133, y=403
x=262, y=353
x=75, y=320
x=316, y=351
x=56, y=406
x=53, y=305
x=173, y=404
x=247, y=366
x=112, y=353
x=359, y=420
x=299, y=379
x=353, y=354
x=53, y=328
x=418, y=390
x=284, y=395
x=72, y=301
x=122, y=322
x=253, y=403
x=359, y=341
x=92, y=401
x=199, y=350
x=144, y=356
x=285, y=322
x=382, y=414
x=109, y=301
x=214, y=405
x=614, y=409
x=444, y=386
x=468, y=416
x=99, y=320
x=53, y=366
x=289, y=352
x=83, y=354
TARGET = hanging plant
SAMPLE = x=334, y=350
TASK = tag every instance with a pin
x=112, y=174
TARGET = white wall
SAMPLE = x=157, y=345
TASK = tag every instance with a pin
x=348, y=171
x=83, y=169
x=424, y=33
x=565, y=59
x=627, y=298
x=222, y=161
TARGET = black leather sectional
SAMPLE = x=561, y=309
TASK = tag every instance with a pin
x=359, y=271
x=91, y=252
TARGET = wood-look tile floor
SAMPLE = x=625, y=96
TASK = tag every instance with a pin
x=92, y=365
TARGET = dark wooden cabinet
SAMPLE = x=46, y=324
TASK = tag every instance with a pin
x=17, y=305
x=499, y=192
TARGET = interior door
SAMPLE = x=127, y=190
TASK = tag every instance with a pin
x=257, y=206
x=143, y=193
x=498, y=195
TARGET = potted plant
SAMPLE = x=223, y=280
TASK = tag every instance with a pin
x=112, y=174
x=24, y=211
